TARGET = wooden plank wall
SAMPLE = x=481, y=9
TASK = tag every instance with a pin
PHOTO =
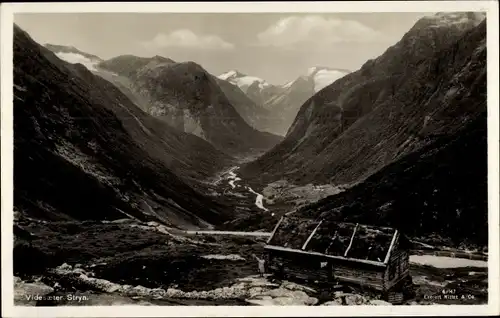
x=309, y=267
x=303, y=268
x=399, y=265
x=360, y=276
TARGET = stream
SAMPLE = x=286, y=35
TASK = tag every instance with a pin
x=233, y=178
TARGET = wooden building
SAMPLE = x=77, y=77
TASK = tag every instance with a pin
x=326, y=251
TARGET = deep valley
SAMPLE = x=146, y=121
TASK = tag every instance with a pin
x=142, y=180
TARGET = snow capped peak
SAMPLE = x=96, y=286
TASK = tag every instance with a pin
x=321, y=76
x=229, y=74
x=243, y=81
x=312, y=70
x=446, y=19
x=74, y=58
x=72, y=55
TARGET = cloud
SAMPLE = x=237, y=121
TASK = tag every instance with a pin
x=187, y=39
x=312, y=29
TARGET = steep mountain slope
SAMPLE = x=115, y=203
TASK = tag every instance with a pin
x=189, y=156
x=419, y=89
x=126, y=65
x=188, y=98
x=129, y=65
x=286, y=104
x=437, y=194
x=84, y=151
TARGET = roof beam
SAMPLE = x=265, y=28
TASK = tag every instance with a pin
x=355, y=260
x=312, y=234
x=274, y=231
x=352, y=239
x=331, y=241
x=389, y=252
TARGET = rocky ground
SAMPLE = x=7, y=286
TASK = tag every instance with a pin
x=130, y=262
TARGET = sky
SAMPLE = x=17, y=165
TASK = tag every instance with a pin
x=277, y=47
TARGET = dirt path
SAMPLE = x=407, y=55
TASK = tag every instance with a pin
x=235, y=233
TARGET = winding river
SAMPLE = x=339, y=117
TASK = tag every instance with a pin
x=233, y=178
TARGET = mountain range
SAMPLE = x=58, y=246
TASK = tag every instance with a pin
x=393, y=105
x=263, y=106
x=189, y=99
x=405, y=135
x=205, y=110
x=282, y=102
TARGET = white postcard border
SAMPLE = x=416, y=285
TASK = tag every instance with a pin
x=9, y=9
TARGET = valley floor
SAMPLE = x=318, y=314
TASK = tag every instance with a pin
x=258, y=208
x=128, y=262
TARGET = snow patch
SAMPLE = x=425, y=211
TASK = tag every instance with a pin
x=243, y=81
x=228, y=75
x=288, y=85
x=446, y=262
x=75, y=58
x=446, y=19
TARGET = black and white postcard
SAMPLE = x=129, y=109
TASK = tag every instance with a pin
x=250, y=158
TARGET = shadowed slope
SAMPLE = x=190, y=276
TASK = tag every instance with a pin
x=82, y=150
x=412, y=94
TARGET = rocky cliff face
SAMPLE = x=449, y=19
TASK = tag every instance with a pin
x=254, y=114
x=285, y=103
x=392, y=106
x=84, y=151
x=189, y=99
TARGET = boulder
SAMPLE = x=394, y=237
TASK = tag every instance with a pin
x=139, y=290
x=64, y=267
x=158, y=293
x=355, y=299
x=294, y=286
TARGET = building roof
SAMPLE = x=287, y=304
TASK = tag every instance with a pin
x=357, y=242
